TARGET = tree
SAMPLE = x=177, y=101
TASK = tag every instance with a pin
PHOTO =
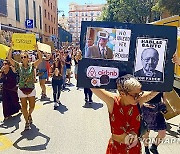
x=134, y=11
x=173, y=6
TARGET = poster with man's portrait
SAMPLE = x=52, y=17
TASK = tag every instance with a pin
x=107, y=43
x=143, y=50
x=150, y=59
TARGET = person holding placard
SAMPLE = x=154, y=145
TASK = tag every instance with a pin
x=124, y=114
x=26, y=90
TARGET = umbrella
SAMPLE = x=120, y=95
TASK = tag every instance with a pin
x=3, y=51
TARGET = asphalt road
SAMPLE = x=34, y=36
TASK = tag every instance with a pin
x=71, y=129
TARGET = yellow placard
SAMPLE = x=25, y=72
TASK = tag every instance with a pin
x=177, y=68
x=44, y=47
x=3, y=51
x=23, y=41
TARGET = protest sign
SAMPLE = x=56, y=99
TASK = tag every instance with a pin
x=23, y=41
x=150, y=50
x=3, y=51
x=44, y=47
x=142, y=50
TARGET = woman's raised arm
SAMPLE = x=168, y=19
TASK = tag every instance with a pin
x=106, y=96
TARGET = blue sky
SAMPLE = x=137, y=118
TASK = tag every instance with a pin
x=64, y=4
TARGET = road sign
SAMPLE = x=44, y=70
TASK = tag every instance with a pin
x=29, y=23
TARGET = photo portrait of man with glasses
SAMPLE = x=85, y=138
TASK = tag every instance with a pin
x=149, y=61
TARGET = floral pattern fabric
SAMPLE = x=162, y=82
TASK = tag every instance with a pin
x=26, y=75
x=124, y=119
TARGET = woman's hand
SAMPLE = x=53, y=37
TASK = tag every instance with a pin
x=176, y=59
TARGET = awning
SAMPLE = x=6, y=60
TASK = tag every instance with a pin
x=11, y=28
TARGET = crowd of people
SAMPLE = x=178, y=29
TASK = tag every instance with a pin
x=19, y=73
x=125, y=110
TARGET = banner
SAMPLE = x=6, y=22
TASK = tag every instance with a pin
x=23, y=41
x=3, y=51
x=113, y=49
x=44, y=47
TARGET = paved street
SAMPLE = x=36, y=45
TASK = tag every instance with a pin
x=71, y=129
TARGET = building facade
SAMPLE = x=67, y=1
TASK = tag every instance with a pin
x=63, y=21
x=14, y=13
x=50, y=21
x=78, y=13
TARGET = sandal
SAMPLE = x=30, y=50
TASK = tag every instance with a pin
x=30, y=119
x=27, y=126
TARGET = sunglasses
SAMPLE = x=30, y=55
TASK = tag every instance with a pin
x=136, y=95
x=24, y=57
x=5, y=63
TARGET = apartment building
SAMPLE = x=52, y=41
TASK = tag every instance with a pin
x=14, y=13
x=78, y=13
x=50, y=21
x=63, y=21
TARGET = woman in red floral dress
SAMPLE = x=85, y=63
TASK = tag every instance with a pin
x=124, y=115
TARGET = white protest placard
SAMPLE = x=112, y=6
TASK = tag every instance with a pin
x=44, y=47
x=122, y=44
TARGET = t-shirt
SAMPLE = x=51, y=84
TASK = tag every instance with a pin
x=68, y=59
x=26, y=75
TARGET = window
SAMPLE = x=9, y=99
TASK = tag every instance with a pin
x=92, y=13
x=51, y=18
x=49, y=29
x=82, y=19
x=34, y=8
x=51, y=6
x=82, y=14
x=45, y=13
x=54, y=20
x=27, y=9
x=40, y=17
x=52, y=30
x=45, y=28
x=48, y=16
x=86, y=14
x=48, y=2
x=17, y=10
x=3, y=7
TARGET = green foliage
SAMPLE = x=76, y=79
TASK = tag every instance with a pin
x=173, y=6
x=134, y=11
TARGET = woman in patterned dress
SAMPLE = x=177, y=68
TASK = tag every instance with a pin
x=26, y=90
x=124, y=115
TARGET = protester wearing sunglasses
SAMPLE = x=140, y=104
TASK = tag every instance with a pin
x=10, y=100
x=124, y=114
x=26, y=90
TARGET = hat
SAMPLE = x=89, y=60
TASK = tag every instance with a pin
x=103, y=34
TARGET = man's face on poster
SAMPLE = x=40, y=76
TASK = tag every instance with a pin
x=103, y=42
x=149, y=59
x=90, y=43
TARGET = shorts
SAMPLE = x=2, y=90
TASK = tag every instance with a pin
x=22, y=95
x=75, y=69
x=68, y=71
x=44, y=75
